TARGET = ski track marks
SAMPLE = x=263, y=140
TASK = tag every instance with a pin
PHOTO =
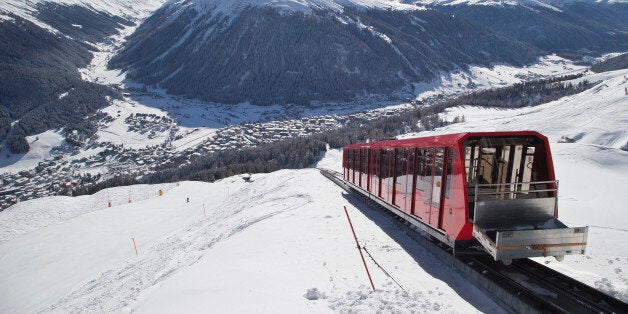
x=118, y=289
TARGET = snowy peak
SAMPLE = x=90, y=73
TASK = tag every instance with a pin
x=307, y=6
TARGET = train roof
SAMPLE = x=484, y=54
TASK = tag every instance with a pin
x=443, y=139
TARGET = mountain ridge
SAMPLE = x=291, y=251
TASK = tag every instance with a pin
x=319, y=56
x=338, y=50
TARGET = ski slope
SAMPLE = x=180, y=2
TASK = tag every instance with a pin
x=282, y=243
x=255, y=246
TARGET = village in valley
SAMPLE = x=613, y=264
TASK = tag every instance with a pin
x=92, y=160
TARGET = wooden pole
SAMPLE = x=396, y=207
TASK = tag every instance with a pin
x=359, y=249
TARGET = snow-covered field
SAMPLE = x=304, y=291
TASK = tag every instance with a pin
x=235, y=247
x=40, y=148
x=498, y=75
x=261, y=246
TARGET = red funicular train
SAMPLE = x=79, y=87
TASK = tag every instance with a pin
x=495, y=188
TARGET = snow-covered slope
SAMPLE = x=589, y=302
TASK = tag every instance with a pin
x=261, y=246
x=597, y=117
x=235, y=247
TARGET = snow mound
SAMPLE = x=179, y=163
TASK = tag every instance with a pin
x=313, y=294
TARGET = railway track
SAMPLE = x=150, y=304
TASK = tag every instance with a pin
x=524, y=286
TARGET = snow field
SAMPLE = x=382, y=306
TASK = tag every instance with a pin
x=495, y=76
x=262, y=246
x=40, y=147
x=32, y=215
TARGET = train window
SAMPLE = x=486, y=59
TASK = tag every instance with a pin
x=437, y=181
x=385, y=167
x=388, y=174
x=353, y=164
x=365, y=164
x=404, y=177
x=506, y=167
x=450, y=156
x=487, y=160
x=424, y=174
x=375, y=172
x=401, y=161
x=526, y=166
x=362, y=161
x=420, y=169
x=471, y=161
x=408, y=190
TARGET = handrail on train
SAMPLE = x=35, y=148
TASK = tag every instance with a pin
x=515, y=191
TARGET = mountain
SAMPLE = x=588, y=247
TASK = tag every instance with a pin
x=42, y=46
x=290, y=51
x=571, y=29
x=265, y=54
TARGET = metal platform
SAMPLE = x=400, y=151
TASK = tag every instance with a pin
x=511, y=223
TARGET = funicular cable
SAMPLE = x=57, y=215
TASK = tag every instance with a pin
x=382, y=268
